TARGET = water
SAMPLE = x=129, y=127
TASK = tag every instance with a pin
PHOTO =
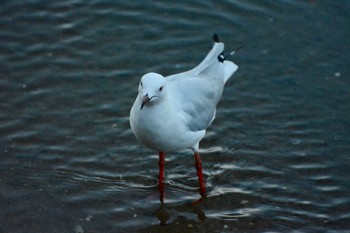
x=276, y=159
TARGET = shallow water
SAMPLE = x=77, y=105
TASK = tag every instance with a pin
x=276, y=159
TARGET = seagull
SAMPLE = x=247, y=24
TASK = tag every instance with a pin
x=172, y=113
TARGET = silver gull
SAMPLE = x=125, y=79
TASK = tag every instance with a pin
x=172, y=113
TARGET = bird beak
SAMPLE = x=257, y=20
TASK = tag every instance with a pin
x=145, y=100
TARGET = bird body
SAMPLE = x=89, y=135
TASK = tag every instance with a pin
x=158, y=127
x=178, y=115
x=173, y=113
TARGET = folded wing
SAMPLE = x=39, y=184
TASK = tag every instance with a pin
x=200, y=89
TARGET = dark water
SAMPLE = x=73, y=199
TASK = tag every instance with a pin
x=276, y=159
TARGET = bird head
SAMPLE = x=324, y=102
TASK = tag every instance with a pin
x=152, y=88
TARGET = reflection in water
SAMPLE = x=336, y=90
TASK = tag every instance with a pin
x=162, y=214
x=193, y=216
x=186, y=215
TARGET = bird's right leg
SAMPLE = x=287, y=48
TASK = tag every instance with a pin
x=200, y=174
x=161, y=175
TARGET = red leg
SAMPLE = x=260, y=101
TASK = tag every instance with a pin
x=199, y=173
x=161, y=175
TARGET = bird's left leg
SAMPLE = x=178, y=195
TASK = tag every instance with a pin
x=200, y=173
x=161, y=175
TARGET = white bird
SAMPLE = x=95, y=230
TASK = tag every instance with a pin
x=172, y=113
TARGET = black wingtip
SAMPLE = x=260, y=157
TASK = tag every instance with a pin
x=221, y=57
x=216, y=38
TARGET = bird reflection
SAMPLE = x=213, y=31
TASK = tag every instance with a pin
x=162, y=213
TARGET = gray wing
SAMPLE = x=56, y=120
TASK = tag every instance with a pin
x=195, y=93
x=204, y=66
x=195, y=99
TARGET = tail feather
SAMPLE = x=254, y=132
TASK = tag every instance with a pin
x=229, y=69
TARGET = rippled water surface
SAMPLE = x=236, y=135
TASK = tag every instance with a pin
x=276, y=159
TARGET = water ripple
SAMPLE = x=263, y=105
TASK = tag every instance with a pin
x=275, y=159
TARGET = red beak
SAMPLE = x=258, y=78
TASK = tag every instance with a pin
x=145, y=100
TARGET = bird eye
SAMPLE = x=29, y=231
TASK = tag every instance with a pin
x=161, y=89
x=141, y=84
